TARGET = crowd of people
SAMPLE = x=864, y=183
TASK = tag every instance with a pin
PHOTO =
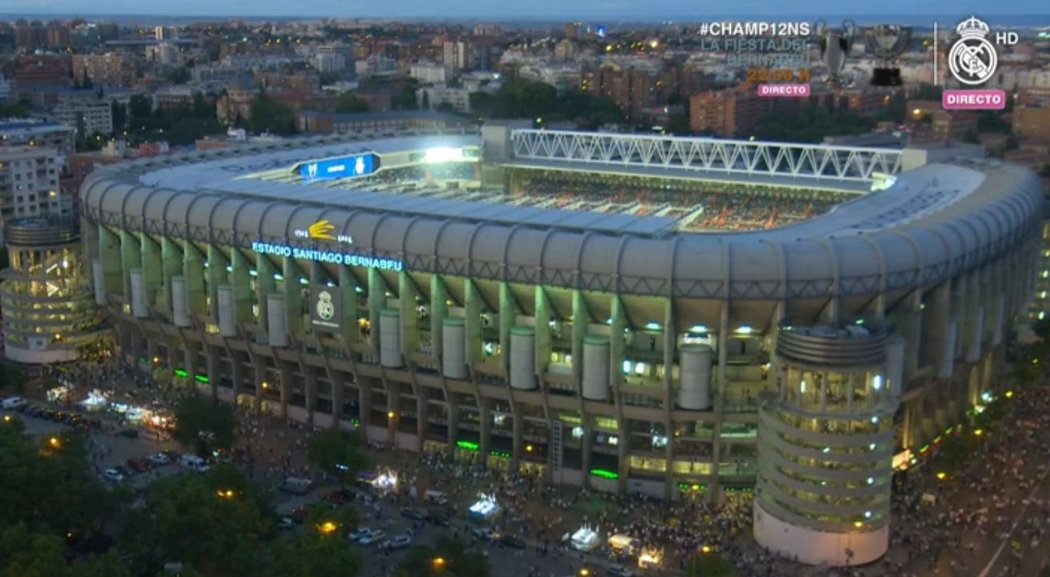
x=937, y=523
x=721, y=207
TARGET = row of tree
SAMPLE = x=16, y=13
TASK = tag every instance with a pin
x=58, y=520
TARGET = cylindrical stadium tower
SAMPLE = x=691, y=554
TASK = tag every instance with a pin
x=49, y=312
x=825, y=447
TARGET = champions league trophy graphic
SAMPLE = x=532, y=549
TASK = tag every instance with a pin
x=834, y=47
x=888, y=42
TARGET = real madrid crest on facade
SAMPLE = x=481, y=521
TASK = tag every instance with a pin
x=973, y=58
x=325, y=306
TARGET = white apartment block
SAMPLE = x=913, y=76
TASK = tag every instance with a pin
x=432, y=97
x=428, y=73
x=29, y=182
x=85, y=118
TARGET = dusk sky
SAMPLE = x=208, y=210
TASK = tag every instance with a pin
x=531, y=9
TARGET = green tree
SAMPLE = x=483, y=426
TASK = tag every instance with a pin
x=313, y=555
x=351, y=103
x=337, y=452
x=11, y=377
x=21, y=109
x=108, y=565
x=405, y=97
x=49, y=486
x=119, y=111
x=273, y=117
x=180, y=75
x=191, y=519
x=447, y=558
x=24, y=553
x=204, y=424
x=522, y=98
x=482, y=103
x=1042, y=328
x=140, y=107
x=708, y=565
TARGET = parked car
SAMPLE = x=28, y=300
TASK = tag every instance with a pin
x=194, y=463
x=414, y=514
x=129, y=433
x=159, y=459
x=285, y=523
x=399, y=542
x=296, y=485
x=358, y=533
x=12, y=403
x=338, y=497
x=123, y=471
x=485, y=534
x=113, y=475
x=512, y=542
x=439, y=519
x=138, y=465
x=371, y=538
x=620, y=571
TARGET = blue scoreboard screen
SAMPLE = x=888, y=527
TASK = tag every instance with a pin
x=343, y=167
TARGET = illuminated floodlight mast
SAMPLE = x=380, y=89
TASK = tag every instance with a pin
x=443, y=154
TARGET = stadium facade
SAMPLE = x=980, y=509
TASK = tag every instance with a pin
x=612, y=351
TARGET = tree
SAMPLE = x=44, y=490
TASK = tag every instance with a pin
x=198, y=521
x=204, y=424
x=447, y=558
x=1042, y=328
x=119, y=110
x=482, y=103
x=273, y=117
x=49, y=487
x=24, y=553
x=11, y=377
x=708, y=565
x=522, y=98
x=140, y=107
x=313, y=555
x=338, y=452
x=180, y=75
x=351, y=103
x=108, y=565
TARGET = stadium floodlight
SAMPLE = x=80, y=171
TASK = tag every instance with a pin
x=442, y=154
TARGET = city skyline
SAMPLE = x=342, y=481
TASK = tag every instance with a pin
x=538, y=10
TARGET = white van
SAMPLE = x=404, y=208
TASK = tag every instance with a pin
x=194, y=463
x=625, y=544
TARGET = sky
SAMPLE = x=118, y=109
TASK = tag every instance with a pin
x=589, y=10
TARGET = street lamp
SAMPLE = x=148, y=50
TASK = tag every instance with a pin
x=438, y=563
x=327, y=528
x=226, y=494
x=55, y=442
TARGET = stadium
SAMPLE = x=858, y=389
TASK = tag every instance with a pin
x=669, y=316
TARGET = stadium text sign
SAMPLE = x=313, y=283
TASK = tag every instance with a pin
x=327, y=256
